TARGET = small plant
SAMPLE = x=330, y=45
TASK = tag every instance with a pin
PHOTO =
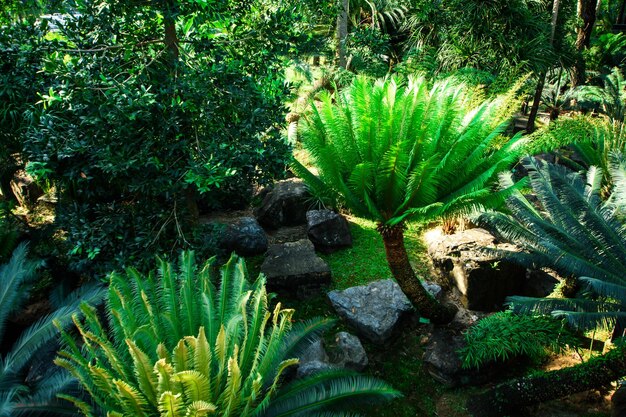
x=182, y=344
x=504, y=335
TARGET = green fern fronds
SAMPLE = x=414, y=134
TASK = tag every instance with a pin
x=25, y=387
x=505, y=335
x=574, y=233
x=230, y=358
x=394, y=150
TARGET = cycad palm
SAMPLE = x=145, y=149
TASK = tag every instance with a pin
x=179, y=345
x=574, y=233
x=392, y=153
x=24, y=388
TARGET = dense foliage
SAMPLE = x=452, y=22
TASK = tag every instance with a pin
x=390, y=150
x=574, y=233
x=185, y=343
x=140, y=132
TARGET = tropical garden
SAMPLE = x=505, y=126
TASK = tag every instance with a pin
x=194, y=194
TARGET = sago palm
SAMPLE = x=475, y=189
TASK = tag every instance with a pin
x=183, y=344
x=576, y=234
x=392, y=153
x=27, y=385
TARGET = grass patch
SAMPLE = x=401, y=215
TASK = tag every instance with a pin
x=365, y=261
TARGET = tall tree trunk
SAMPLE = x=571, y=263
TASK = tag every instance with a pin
x=587, y=11
x=342, y=32
x=532, y=116
x=398, y=259
x=173, y=54
x=509, y=397
x=530, y=126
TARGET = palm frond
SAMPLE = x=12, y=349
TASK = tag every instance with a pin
x=13, y=275
x=391, y=150
x=307, y=398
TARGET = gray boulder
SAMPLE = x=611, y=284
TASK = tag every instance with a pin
x=285, y=204
x=314, y=359
x=315, y=352
x=313, y=367
x=373, y=310
x=351, y=352
x=295, y=266
x=618, y=401
x=329, y=231
x=25, y=189
x=245, y=237
x=434, y=289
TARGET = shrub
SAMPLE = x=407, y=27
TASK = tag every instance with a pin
x=576, y=234
x=504, y=335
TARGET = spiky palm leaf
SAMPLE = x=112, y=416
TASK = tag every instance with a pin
x=594, y=141
x=392, y=152
x=611, y=97
x=184, y=342
x=574, y=233
x=27, y=389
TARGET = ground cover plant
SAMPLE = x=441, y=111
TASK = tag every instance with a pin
x=505, y=335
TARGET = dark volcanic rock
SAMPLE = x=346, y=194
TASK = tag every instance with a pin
x=618, y=402
x=373, y=310
x=245, y=237
x=285, y=205
x=328, y=230
x=441, y=357
x=295, y=266
x=314, y=359
x=482, y=279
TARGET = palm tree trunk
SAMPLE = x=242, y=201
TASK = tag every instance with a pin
x=398, y=259
x=342, y=32
x=509, y=397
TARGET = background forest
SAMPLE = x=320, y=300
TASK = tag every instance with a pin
x=129, y=128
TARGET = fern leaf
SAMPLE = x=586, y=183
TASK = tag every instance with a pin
x=146, y=380
x=171, y=405
x=196, y=386
x=200, y=409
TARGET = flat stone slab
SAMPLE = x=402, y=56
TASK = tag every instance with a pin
x=294, y=266
x=373, y=310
